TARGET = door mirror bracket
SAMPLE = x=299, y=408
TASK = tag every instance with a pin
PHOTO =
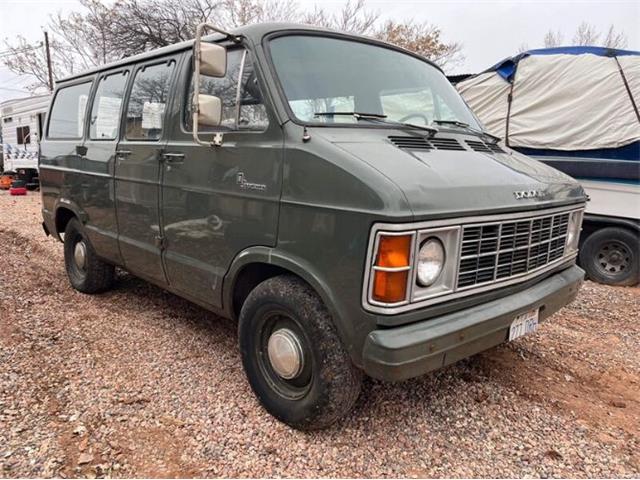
x=209, y=59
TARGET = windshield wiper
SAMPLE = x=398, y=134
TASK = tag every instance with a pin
x=466, y=126
x=357, y=115
x=379, y=117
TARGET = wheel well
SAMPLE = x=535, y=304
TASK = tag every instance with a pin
x=249, y=278
x=592, y=224
x=63, y=215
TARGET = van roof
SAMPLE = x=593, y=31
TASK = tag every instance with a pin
x=254, y=32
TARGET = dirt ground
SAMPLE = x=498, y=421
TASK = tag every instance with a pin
x=138, y=382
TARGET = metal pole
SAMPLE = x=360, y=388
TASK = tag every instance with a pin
x=46, y=48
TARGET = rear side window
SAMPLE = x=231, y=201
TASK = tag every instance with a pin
x=148, y=101
x=106, y=108
x=68, y=111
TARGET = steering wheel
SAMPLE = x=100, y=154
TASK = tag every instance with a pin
x=415, y=115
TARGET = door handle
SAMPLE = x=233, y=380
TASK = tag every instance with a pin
x=81, y=150
x=123, y=153
x=173, y=158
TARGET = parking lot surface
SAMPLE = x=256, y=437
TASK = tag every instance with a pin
x=138, y=382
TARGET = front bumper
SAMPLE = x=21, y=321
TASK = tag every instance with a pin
x=412, y=350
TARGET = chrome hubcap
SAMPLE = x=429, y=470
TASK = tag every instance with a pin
x=285, y=353
x=80, y=254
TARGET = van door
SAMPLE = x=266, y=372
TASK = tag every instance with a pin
x=99, y=163
x=137, y=169
x=217, y=201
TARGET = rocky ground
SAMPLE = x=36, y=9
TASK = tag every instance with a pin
x=137, y=382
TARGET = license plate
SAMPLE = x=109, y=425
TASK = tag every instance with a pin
x=524, y=324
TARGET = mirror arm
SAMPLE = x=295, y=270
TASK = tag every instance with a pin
x=218, y=137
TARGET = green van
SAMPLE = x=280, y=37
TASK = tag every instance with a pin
x=331, y=192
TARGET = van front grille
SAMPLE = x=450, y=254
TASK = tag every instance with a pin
x=496, y=251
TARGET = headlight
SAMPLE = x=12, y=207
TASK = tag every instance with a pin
x=430, y=261
x=573, y=231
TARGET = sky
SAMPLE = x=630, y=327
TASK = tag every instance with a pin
x=488, y=30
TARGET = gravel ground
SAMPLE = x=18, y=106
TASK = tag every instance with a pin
x=137, y=382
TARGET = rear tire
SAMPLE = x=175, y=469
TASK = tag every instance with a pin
x=610, y=256
x=317, y=384
x=86, y=272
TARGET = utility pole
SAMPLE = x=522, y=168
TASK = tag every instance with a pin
x=46, y=48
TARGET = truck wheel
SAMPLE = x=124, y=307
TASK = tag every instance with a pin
x=610, y=256
x=86, y=272
x=293, y=357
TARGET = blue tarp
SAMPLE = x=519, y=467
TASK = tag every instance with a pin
x=507, y=67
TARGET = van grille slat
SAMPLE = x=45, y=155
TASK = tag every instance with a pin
x=422, y=143
x=411, y=143
x=497, y=251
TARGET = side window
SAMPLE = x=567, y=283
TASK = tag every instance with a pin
x=68, y=112
x=252, y=112
x=24, y=135
x=147, y=102
x=107, y=103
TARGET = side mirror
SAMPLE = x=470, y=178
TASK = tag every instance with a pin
x=213, y=60
x=209, y=110
x=208, y=59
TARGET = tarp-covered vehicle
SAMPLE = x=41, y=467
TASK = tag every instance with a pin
x=576, y=109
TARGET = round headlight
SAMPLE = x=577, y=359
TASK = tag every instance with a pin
x=430, y=261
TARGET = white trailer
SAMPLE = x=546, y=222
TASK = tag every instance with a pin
x=22, y=121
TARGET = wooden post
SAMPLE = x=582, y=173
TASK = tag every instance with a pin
x=46, y=48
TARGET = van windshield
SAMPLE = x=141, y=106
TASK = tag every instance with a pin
x=324, y=75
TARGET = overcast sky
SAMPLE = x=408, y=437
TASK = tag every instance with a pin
x=488, y=30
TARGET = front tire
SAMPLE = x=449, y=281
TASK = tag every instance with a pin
x=610, y=256
x=293, y=357
x=86, y=272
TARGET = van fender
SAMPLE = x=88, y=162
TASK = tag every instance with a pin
x=299, y=267
x=68, y=205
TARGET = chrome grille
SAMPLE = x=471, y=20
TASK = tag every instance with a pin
x=496, y=251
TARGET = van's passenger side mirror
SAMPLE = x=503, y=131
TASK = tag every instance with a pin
x=209, y=110
x=213, y=60
x=208, y=59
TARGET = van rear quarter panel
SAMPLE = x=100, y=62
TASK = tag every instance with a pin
x=82, y=184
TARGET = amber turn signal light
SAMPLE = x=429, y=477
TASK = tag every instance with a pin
x=391, y=268
x=393, y=251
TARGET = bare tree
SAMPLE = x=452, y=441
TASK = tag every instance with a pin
x=103, y=32
x=588, y=34
x=614, y=39
x=353, y=18
x=553, y=39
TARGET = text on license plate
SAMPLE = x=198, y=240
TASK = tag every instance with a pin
x=524, y=324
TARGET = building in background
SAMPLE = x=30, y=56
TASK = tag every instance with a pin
x=22, y=122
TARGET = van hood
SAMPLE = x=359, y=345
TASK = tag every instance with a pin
x=442, y=181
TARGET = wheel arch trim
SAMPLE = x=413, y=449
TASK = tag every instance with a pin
x=296, y=266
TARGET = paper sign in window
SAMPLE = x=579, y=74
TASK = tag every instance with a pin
x=108, y=117
x=152, y=113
